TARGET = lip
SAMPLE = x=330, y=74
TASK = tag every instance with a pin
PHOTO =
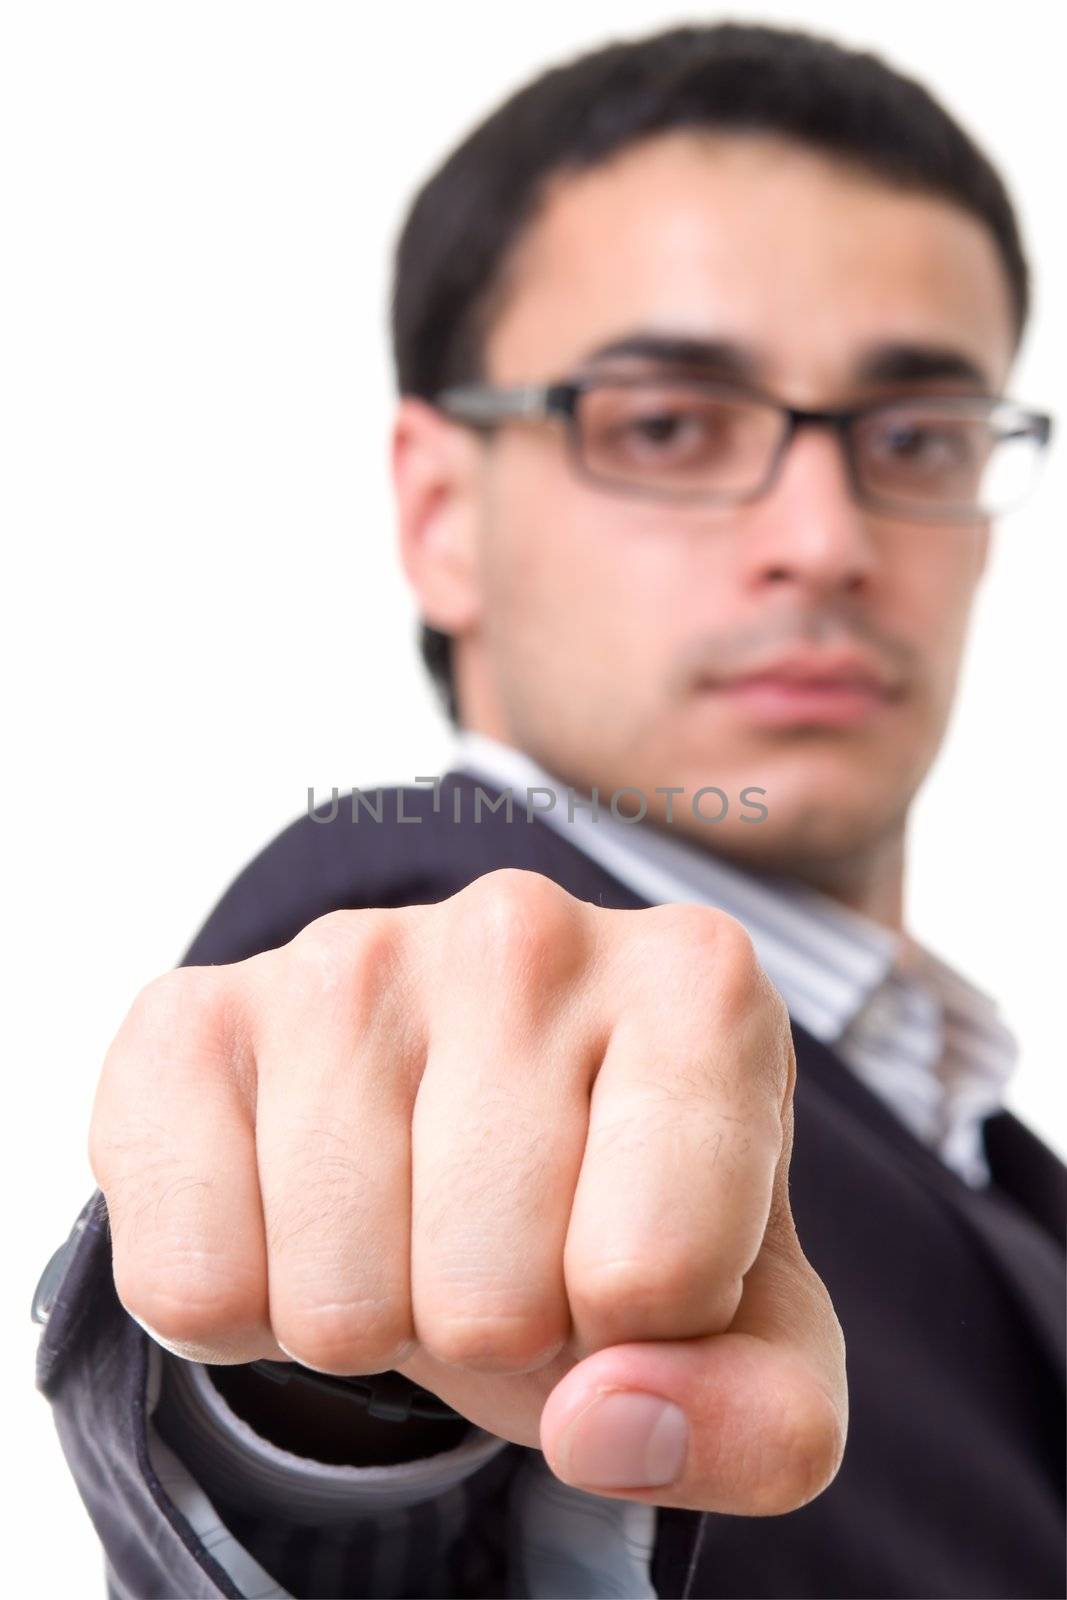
x=839, y=689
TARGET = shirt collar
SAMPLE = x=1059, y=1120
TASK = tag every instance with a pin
x=843, y=977
x=825, y=959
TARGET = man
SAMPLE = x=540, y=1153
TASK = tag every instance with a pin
x=701, y=345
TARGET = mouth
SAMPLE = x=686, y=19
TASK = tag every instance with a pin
x=828, y=690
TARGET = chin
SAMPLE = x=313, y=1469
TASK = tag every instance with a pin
x=803, y=839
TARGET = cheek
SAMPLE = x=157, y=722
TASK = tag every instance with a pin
x=570, y=567
x=936, y=593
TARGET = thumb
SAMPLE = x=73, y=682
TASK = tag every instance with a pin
x=750, y=1422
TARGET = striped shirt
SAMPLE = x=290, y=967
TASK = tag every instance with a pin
x=929, y=1043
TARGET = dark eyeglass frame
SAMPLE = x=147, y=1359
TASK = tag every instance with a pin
x=484, y=406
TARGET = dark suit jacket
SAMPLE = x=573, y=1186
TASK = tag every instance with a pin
x=951, y=1300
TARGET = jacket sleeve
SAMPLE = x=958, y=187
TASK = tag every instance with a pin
x=317, y=1528
x=162, y=1534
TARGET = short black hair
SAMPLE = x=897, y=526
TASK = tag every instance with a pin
x=463, y=222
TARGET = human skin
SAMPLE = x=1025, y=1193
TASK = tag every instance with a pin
x=583, y=620
x=528, y=1151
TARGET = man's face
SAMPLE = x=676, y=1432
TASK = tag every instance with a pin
x=608, y=636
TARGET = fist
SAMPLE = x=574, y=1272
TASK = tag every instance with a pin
x=527, y=1151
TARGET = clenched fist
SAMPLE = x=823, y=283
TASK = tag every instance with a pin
x=529, y=1152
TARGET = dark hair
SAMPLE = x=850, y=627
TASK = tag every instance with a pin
x=449, y=275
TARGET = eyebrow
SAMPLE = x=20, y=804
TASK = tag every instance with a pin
x=898, y=362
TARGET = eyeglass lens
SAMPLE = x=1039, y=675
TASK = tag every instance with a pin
x=680, y=440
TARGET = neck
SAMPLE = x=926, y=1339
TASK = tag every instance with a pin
x=868, y=880
x=871, y=881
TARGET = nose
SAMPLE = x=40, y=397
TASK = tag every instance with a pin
x=808, y=531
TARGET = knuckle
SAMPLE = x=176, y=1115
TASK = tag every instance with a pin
x=346, y=957
x=706, y=930
x=698, y=948
x=160, y=999
x=186, y=1006
x=498, y=1340
x=186, y=1305
x=704, y=964
x=733, y=956
x=804, y=1453
x=332, y=946
x=631, y=1287
x=517, y=922
x=345, y=1336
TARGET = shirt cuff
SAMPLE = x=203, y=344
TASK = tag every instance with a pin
x=223, y=1452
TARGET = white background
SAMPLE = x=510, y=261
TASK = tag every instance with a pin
x=202, y=609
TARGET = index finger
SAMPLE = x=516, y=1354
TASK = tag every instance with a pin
x=749, y=1422
x=684, y=1138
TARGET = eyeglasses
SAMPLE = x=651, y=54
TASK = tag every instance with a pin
x=952, y=458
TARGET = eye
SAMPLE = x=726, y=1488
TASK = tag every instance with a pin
x=667, y=431
x=660, y=427
x=656, y=429
x=927, y=444
x=687, y=436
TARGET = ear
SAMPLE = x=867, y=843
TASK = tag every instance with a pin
x=436, y=467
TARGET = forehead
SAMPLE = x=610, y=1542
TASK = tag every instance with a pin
x=785, y=251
